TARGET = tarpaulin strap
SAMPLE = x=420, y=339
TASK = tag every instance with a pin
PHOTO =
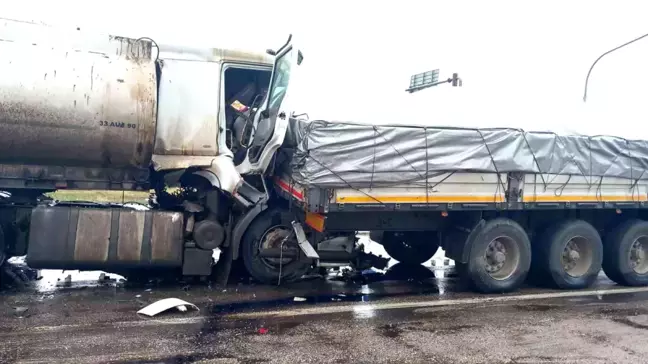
x=399, y=153
x=562, y=187
x=347, y=183
x=499, y=179
x=535, y=160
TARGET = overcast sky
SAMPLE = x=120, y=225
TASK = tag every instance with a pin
x=523, y=63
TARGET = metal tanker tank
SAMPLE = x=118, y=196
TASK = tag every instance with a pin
x=85, y=104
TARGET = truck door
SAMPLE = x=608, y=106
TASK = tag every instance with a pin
x=271, y=120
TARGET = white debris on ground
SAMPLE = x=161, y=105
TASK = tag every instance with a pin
x=166, y=304
x=53, y=279
x=17, y=260
x=438, y=261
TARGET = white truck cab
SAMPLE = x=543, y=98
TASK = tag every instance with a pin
x=271, y=120
x=92, y=111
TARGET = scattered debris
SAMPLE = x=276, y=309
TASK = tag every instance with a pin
x=164, y=305
x=370, y=271
x=263, y=330
x=299, y=299
x=21, y=310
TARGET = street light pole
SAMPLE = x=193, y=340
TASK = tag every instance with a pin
x=603, y=55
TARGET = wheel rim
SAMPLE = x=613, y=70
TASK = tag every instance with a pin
x=577, y=256
x=502, y=257
x=638, y=255
x=272, y=238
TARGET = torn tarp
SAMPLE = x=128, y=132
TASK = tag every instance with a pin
x=339, y=154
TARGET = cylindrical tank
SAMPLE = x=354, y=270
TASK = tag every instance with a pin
x=75, y=102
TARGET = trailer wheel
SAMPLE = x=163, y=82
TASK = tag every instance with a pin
x=411, y=247
x=499, y=257
x=626, y=254
x=269, y=230
x=569, y=255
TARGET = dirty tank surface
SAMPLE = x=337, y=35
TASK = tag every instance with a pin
x=381, y=319
x=77, y=106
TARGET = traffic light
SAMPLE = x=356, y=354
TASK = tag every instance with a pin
x=456, y=81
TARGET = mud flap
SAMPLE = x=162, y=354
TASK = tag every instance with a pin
x=224, y=266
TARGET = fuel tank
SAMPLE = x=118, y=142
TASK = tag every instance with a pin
x=109, y=238
x=75, y=100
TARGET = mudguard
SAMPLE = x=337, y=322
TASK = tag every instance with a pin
x=242, y=225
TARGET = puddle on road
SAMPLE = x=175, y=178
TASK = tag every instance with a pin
x=398, y=280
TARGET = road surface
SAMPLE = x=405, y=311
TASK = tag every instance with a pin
x=420, y=319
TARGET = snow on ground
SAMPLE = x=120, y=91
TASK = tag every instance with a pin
x=438, y=260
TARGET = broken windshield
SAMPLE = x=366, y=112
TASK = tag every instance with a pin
x=279, y=83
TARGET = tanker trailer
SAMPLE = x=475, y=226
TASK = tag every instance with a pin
x=104, y=112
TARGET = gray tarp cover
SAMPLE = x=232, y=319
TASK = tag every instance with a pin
x=339, y=154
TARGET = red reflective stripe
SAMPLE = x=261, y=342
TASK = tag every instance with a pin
x=286, y=187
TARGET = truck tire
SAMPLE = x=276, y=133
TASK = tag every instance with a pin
x=626, y=254
x=269, y=229
x=568, y=255
x=411, y=247
x=499, y=257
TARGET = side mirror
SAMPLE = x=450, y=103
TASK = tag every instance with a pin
x=300, y=57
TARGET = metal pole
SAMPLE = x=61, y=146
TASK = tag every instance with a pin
x=601, y=56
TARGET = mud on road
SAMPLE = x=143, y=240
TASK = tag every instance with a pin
x=398, y=319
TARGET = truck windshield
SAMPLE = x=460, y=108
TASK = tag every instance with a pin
x=279, y=83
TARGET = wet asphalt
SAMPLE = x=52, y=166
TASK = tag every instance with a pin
x=404, y=316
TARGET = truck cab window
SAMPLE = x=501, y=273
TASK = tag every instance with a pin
x=244, y=88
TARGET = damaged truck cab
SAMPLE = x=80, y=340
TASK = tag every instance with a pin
x=198, y=126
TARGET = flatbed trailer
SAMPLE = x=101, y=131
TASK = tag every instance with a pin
x=559, y=207
x=418, y=221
